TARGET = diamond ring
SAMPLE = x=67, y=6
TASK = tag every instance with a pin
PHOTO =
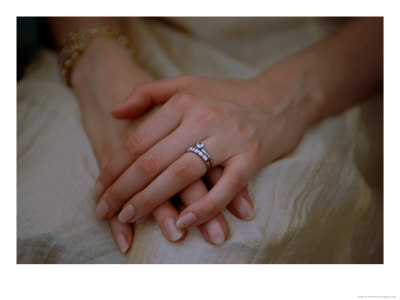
x=202, y=153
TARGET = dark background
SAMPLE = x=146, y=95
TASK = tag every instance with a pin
x=32, y=34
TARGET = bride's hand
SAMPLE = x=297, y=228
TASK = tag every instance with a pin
x=243, y=124
x=102, y=77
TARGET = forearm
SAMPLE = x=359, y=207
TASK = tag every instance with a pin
x=339, y=71
x=101, y=77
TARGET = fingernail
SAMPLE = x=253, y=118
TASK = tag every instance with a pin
x=173, y=232
x=245, y=210
x=126, y=214
x=122, y=243
x=98, y=189
x=186, y=220
x=102, y=209
x=215, y=232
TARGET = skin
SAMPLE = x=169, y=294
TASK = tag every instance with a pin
x=103, y=76
x=244, y=124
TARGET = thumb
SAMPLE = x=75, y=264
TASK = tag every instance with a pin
x=145, y=95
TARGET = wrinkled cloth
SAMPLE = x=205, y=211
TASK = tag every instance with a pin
x=322, y=203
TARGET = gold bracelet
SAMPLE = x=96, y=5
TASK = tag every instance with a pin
x=76, y=43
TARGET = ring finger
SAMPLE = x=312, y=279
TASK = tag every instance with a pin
x=187, y=169
x=145, y=169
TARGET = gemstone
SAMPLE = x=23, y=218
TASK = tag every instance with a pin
x=200, y=145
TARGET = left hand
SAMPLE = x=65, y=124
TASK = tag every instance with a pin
x=243, y=124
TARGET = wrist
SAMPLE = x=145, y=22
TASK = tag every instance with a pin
x=105, y=74
x=290, y=86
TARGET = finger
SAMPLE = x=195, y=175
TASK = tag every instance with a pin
x=234, y=178
x=241, y=206
x=175, y=178
x=182, y=172
x=143, y=171
x=122, y=233
x=152, y=130
x=148, y=94
x=216, y=230
x=165, y=216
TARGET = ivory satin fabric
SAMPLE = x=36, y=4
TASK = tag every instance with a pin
x=320, y=204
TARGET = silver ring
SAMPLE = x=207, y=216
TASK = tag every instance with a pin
x=202, y=153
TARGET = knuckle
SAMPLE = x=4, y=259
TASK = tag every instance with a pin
x=148, y=164
x=242, y=130
x=139, y=88
x=240, y=127
x=106, y=176
x=144, y=202
x=183, y=171
x=141, y=202
x=209, y=115
x=216, y=112
x=132, y=145
x=115, y=196
x=185, y=100
x=211, y=208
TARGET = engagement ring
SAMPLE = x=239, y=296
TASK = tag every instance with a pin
x=202, y=153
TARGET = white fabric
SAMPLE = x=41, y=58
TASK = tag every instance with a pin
x=320, y=204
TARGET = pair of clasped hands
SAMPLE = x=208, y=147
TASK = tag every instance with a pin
x=241, y=130
x=243, y=124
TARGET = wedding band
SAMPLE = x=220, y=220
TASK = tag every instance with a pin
x=202, y=153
